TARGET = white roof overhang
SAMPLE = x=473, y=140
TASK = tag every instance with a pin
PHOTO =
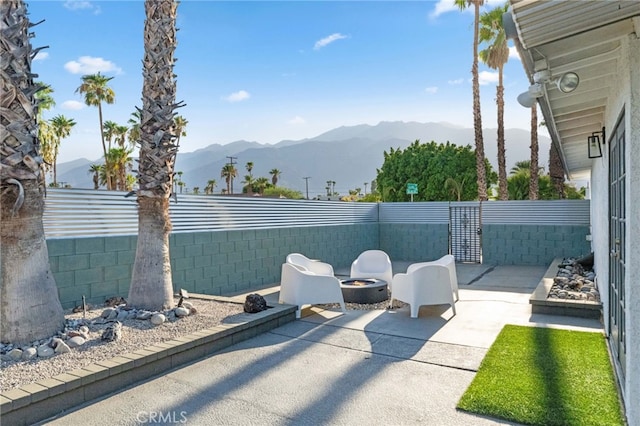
x=583, y=37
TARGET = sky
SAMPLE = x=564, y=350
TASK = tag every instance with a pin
x=268, y=71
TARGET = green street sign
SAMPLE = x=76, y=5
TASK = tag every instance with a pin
x=412, y=188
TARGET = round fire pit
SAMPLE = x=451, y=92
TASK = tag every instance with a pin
x=364, y=290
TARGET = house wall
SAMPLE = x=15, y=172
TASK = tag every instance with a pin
x=625, y=96
x=632, y=277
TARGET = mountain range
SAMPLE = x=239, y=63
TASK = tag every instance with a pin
x=348, y=155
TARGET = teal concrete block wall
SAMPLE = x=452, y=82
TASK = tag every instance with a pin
x=414, y=242
x=532, y=244
x=96, y=267
x=217, y=263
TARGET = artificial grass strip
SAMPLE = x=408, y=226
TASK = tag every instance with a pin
x=544, y=376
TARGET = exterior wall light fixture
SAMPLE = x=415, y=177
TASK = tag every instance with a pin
x=594, y=145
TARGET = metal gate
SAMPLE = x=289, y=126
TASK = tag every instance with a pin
x=465, y=233
x=617, y=221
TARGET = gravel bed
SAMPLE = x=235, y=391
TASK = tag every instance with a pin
x=136, y=335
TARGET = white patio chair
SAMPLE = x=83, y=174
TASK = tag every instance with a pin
x=424, y=285
x=302, y=287
x=314, y=266
x=373, y=264
x=447, y=260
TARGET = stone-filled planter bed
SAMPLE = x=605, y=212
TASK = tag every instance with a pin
x=35, y=402
x=542, y=304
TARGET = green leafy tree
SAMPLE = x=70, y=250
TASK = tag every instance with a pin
x=429, y=165
x=283, y=192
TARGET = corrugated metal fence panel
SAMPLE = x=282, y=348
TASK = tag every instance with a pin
x=420, y=212
x=76, y=212
x=85, y=213
x=541, y=212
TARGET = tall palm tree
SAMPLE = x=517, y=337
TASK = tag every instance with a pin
x=120, y=135
x=95, y=170
x=96, y=91
x=534, y=168
x=61, y=127
x=275, y=175
x=30, y=308
x=556, y=171
x=109, y=132
x=477, y=115
x=180, y=124
x=151, y=283
x=228, y=173
x=496, y=56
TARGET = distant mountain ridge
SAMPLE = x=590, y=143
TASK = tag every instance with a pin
x=348, y=155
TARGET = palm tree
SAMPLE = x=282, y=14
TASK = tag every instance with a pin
x=45, y=132
x=179, y=180
x=262, y=183
x=95, y=90
x=534, y=169
x=120, y=163
x=151, y=285
x=249, y=167
x=110, y=130
x=556, y=171
x=454, y=187
x=477, y=116
x=496, y=56
x=61, y=127
x=211, y=186
x=180, y=124
x=228, y=173
x=275, y=175
x=121, y=135
x=134, y=127
x=95, y=170
x=248, y=182
x=30, y=308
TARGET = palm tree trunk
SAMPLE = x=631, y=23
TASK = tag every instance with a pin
x=30, y=307
x=104, y=150
x=477, y=116
x=503, y=191
x=533, y=185
x=151, y=284
x=151, y=281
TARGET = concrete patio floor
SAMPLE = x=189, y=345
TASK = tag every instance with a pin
x=358, y=368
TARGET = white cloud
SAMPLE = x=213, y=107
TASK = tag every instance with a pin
x=72, y=105
x=328, y=40
x=432, y=89
x=297, y=120
x=82, y=5
x=443, y=6
x=487, y=77
x=238, y=96
x=456, y=81
x=41, y=56
x=513, y=53
x=91, y=65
